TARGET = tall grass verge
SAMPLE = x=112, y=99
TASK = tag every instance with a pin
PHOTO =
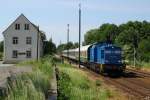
x=74, y=84
x=33, y=85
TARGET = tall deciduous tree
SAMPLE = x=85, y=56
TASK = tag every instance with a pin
x=129, y=35
x=49, y=47
x=1, y=46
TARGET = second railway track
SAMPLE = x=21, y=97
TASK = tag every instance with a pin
x=133, y=82
x=138, y=72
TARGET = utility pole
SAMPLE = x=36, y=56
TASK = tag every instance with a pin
x=68, y=40
x=79, y=31
x=134, y=56
x=38, y=44
x=135, y=41
x=60, y=42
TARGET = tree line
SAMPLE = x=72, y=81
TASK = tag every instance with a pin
x=65, y=46
x=130, y=35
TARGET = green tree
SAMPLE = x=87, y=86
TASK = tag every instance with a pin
x=69, y=45
x=76, y=45
x=60, y=48
x=49, y=47
x=90, y=36
x=108, y=30
x=144, y=50
x=1, y=46
x=130, y=35
x=101, y=34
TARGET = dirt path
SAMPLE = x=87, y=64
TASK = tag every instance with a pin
x=7, y=71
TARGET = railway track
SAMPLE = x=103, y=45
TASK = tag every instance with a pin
x=132, y=86
x=141, y=73
x=136, y=84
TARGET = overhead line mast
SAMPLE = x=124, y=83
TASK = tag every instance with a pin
x=68, y=40
x=79, y=31
x=38, y=43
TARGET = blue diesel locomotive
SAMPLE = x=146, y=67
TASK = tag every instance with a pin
x=102, y=57
x=105, y=57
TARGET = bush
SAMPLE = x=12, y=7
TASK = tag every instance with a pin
x=74, y=84
x=64, y=86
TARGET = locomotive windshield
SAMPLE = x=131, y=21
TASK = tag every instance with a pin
x=115, y=52
x=113, y=55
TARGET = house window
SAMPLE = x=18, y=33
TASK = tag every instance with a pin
x=28, y=40
x=14, y=54
x=17, y=26
x=28, y=54
x=15, y=40
x=26, y=26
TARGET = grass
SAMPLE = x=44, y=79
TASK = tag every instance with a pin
x=140, y=64
x=74, y=84
x=34, y=85
x=23, y=88
x=146, y=65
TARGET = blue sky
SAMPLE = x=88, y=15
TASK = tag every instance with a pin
x=53, y=15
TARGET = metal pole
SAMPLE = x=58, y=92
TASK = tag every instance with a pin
x=79, y=31
x=135, y=40
x=68, y=41
x=38, y=44
x=134, y=56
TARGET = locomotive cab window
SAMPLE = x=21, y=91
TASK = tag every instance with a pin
x=102, y=54
x=107, y=51
x=118, y=52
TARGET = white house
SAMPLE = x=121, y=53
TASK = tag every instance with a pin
x=22, y=41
